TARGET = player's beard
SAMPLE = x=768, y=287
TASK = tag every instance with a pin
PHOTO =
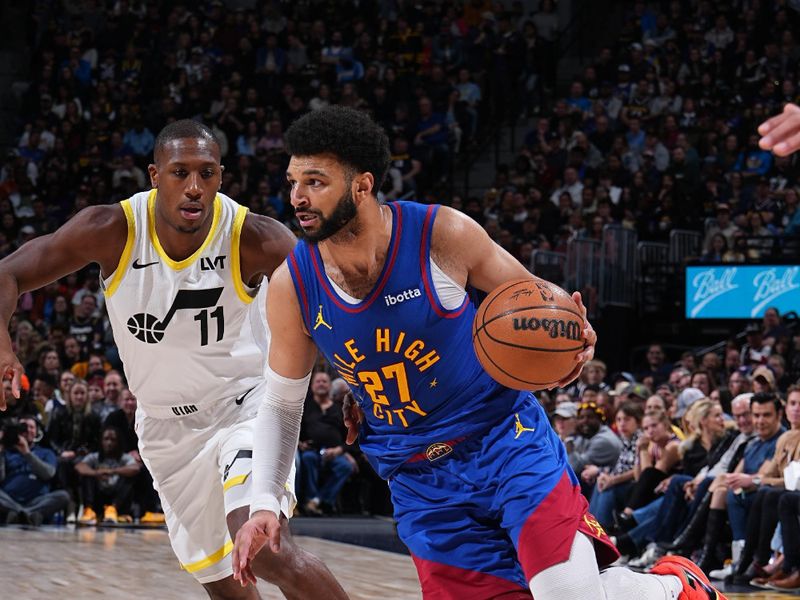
x=344, y=212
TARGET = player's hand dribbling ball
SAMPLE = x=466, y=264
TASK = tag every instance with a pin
x=528, y=334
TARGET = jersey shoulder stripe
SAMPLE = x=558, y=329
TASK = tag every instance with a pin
x=125, y=259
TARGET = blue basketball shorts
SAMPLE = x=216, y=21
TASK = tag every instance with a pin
x=483, y=515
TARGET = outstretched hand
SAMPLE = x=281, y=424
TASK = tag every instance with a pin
x=10, y=365
x=589, y=341
x=781, y=133
x=261, y=528
x=353, y=416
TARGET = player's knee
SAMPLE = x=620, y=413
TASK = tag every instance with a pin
x=281, y=568
x=230, y=589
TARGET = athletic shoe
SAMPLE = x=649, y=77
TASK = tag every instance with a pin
x=312, y=508
x=88, y=517
x=153, y=518
x=110, y=514
x=696, y=585
x=124, y=519
x=648, y=557
x=721, y=574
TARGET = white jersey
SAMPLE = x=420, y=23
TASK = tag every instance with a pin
x=189, y=332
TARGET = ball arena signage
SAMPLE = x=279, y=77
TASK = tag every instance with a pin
x=741, y=291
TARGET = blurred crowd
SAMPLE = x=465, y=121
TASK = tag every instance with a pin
x=656, y=133
x=699, y=457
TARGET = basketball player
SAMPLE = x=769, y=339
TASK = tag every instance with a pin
x=184, y=271
x=483, y=494
x=781, y=133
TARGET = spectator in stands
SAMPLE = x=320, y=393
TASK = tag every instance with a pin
x=777, y=364
x=762, y=379
x=754, y=351
x=704, y=381
x=73, y=432
x=106, y=478
x=658, y=455
x=91, y=287
x=325, y=463
x=84, y=326
x=732, y=494
x=596, y=444
x=656, y=367
x=26, y=470
x=762, y=518
x=612, y=486
x=715, y=249
x=685, y=400
x=124, y=421
x=72, y=351
x=565, y=420
x=772, y=326
x=95, y=366
x=431, y=137
x=112, y=388
x=45, y=397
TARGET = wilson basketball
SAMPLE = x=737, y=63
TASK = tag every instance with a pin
x=526, y=334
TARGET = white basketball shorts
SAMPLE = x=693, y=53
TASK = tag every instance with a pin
x=201, y=464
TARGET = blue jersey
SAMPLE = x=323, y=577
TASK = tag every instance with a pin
x=408, y=359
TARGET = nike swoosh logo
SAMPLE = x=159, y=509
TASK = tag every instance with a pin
x=138, y=265
x=241, y=398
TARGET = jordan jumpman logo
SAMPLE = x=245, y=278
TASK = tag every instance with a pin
x=321, y=320
x=520, y=428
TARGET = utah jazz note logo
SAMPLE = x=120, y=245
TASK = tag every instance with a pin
x=321, y=320
x=519, y=428
x=149, y=329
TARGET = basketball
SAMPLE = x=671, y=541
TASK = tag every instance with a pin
x=526, y=334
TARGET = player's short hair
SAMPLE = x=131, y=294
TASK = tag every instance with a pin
x=181, y=130
x=348, y=134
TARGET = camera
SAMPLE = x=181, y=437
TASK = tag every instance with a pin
x=11, y=431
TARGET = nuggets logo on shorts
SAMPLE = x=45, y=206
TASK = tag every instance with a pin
x=594, y=525
x=438, y=450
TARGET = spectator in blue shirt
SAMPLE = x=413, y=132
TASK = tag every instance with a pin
x=732, y=496
x=753, y=162
x=26, y=470
x=139, y=139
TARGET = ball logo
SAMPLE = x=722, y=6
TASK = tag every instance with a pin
x=555, y=328
x=409, y=294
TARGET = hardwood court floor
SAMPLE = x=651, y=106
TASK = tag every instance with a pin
x=78, y=564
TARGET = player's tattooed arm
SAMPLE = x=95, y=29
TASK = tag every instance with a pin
x=265, y=244
x=96, y=234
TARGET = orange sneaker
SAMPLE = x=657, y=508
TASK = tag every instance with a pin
x=88, y=517
x=110, y=514
x=696, y=585
x=152, y=518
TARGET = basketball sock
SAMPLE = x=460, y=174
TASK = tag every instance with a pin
x=623, y=584
x=580, y=579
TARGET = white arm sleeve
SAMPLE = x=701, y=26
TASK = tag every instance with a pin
x=277, y=430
